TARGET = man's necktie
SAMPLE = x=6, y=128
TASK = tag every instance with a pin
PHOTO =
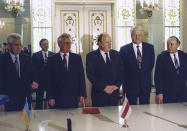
x=176, y=64
x=16, y=64
x=65, y=61
x=107, y=59
x=139, y=57
x=45, y=57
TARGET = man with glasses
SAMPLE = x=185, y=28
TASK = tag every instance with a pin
x=105, y=71
x=66, y=84
x=171, y=74
x=16, y=75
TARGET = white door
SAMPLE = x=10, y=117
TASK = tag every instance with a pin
x=84, y=23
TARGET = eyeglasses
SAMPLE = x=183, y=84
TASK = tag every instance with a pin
x=17, y=45
x=107, y=42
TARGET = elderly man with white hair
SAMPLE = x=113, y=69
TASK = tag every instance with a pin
x=138, y=59
x=16, y=75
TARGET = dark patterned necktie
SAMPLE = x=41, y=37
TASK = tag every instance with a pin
x=16, y=64
x=176, y=64
x=139, y=57
x=45, y=57
x=65, y=62
x=107, y=59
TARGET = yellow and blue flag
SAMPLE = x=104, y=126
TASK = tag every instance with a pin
x=26, y=114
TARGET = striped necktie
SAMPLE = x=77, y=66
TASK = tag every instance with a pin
x=16, y=64
x=139, y=57
x=176, y=64
x=65, y=62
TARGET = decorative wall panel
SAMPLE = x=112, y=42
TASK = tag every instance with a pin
x=125, y=20
x=172, y=19
x=97, y=25
x=41, y=23
x=70, y=25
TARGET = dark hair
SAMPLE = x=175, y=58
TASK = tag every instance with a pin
x=4, y=43
x=99, y=39
x=177, y=39
x=42, y=40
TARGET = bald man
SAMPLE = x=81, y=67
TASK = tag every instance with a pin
x=104, y=70
x=171, y=74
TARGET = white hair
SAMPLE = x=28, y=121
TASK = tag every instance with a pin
x=137, y=28
x=13, y=36
x=64, y=35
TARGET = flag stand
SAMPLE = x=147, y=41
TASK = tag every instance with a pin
x=27, y=127
x=83, y=102
x=125, y=124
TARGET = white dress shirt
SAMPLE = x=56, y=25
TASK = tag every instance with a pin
x=135, y=48
x=67, y=57
x=104, y=55
x=177, y=57
x=43, y=54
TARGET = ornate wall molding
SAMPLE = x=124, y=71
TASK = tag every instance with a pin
x=70, y=24
x=97, y=25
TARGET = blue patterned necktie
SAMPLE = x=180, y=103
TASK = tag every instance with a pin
x=139, y=57
x=45, y=57
x=16, y=64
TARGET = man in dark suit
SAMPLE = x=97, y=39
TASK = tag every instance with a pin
x=171, y=74
x=17, y=75
x=39, y=60
x=138, y=60
x=105, y=71
x=66, y=76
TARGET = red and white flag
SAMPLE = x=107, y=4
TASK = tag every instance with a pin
x=125, y=111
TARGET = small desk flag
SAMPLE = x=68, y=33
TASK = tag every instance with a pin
x=125, y=111
x=3, y=99
x=26, y=114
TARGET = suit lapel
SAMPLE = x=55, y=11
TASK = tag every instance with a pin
x=9, y=58
x=143, y=51
x=111, y=57
x=100, y=57
x=170, y=61
x=133, y=55
x=50, y=53
x=70, y=62
x=21, y=65
x=41, y=56
x=181, y=60
x=143, y=54
x=132, y=50
x=60, y=63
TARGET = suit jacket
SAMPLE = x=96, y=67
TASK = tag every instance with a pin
x=17, y=88
x=137, y=81
x=66, y=86
x=100, y=76
x=173, y=86
x=41, y=68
